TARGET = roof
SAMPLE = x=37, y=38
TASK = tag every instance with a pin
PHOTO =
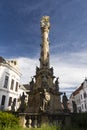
x=78, y=89
x=26, y=86
x=2, y=60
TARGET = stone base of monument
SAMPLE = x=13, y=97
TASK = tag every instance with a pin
x=36, y=120
x=22, y=120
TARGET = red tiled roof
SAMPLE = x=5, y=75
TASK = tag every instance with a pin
x=77, y=90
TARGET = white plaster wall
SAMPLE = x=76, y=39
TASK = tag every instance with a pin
x=5, y=70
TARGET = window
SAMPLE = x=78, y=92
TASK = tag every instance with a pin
x=84, y=94
x=85, y=105
x=10, y=101
x=12, y=84
x=16, y=88
x=81, y=96
x=6, y=82
x=3, y=100
x=82, y=106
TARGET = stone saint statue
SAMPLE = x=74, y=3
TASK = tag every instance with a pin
x=32, y=84
x=57, y=84
x=13, y=105
x=23, y=104
x=64, y=100
x=45, y=21
x=45, y=98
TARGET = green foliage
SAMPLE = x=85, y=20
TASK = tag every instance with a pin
x=75, y=128
x=44, y=127
x=47, y=127
x=8, y=120
x=79, y=120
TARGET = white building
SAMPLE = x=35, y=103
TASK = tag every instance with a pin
x=79, y=96
x=9, y=83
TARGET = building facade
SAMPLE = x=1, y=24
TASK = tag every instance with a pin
x=9, y=84
x=79, y=97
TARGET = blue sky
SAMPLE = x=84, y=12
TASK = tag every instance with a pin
x=20, y=35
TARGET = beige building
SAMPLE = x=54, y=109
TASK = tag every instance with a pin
x=79, y=96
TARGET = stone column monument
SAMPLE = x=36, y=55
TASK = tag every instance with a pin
x=44, y=96
x=44, y=101
x=44, y=57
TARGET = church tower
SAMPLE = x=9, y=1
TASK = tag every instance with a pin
x=44, y=95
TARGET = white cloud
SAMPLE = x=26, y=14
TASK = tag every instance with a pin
x=27, y=67
x=71, y=68
x=70, y=73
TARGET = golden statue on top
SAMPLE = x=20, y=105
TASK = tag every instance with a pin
x=45, y=21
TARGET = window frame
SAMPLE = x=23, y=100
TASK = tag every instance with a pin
x=12, y=84
x=3, y=100
x=6, y=81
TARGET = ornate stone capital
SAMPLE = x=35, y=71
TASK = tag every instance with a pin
x=45, y=22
